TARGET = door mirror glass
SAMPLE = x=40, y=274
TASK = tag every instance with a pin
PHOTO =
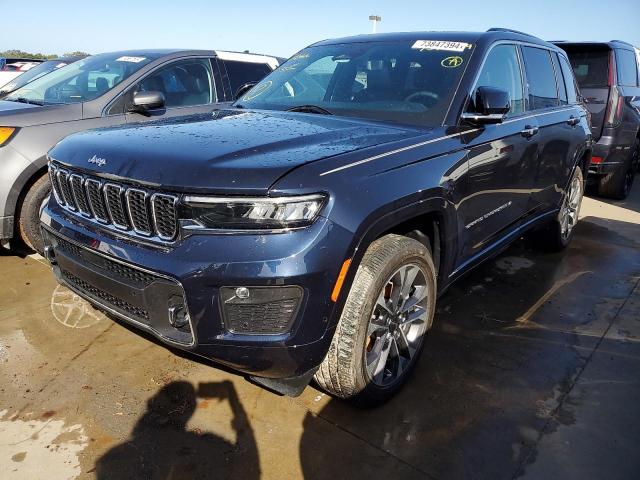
x=145, y=101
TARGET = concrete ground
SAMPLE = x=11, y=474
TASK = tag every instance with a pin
x=532, y=370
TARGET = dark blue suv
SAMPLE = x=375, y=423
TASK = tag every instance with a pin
x=306, y=231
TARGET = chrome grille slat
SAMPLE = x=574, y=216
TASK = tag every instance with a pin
x=67, y=196
x=76, y=182
x=96, y=200
x=113, y=195
x=55, y=185
x=164, y=209
x=136, y=211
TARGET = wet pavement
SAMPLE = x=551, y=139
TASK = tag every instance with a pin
x=532, y=370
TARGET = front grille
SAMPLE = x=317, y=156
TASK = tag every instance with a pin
x=123, y=272
x=136, y=210
x=96, y=200
x=110, y=300
x=164, y=210
x=65, y=189
x=82, y=203
x=139, y=211
x=114, y=194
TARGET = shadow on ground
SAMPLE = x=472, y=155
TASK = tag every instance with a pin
x=508, y=343
x=161, y=446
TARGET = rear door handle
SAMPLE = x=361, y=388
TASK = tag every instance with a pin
x=573, y=121
x=529, y=131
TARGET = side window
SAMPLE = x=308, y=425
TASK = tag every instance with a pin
x=562, y=88
x=502, y=70
x=184, y=83
x=627, y=68
x=569, y=80
x=241, y=73
x=540, y=77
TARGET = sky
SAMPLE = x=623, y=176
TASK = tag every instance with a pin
x=283, y=27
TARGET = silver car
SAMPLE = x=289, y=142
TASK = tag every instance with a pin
x=104, y=90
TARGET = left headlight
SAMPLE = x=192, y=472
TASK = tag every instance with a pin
x=5, y=134
x=254, y=212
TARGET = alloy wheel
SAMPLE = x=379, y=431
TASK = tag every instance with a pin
x=571, y=207
x=397, y=326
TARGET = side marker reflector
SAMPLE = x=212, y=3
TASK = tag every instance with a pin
x=340, y=280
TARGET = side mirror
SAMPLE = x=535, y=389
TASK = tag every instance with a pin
x=491, y=105
x=145, y=101
x=244, y=89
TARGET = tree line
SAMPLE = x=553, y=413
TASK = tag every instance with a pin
x=39, y=56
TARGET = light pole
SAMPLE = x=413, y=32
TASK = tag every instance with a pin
x=374, y=20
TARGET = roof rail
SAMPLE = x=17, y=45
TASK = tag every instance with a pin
x=500, y=29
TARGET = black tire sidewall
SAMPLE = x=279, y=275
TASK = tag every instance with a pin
x=29, y=221
x=412, y=252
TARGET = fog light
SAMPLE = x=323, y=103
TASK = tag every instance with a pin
x=178, y=316
x=260, y=310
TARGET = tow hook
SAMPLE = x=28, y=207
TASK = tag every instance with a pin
x=50, y=255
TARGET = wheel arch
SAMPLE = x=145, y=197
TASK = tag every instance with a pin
x=21, y=186
x=432, y=222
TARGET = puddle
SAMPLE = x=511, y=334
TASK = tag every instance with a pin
x=40, y=448
x=511, y=265
x=72, y=311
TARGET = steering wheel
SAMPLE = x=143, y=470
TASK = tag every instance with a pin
x=425, y=97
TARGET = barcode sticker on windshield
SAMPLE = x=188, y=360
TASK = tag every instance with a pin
x=441, y=45
x=130, y=59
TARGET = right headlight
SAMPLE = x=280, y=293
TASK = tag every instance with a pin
x=249, y=213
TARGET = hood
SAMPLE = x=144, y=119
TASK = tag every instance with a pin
x=17, y=114
x=241, y=151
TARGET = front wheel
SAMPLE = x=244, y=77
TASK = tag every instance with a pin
x=381, y=331
x=29, y=217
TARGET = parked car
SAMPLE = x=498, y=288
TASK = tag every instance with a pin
x=308, y=231
x=607, y=73
x=35, y=73
x=11, y=68
x=101, y=90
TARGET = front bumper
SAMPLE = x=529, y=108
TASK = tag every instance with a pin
x=192, y=271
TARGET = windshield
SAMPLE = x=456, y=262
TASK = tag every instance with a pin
x=402, y=81
x=80, y=81
x=33, y=73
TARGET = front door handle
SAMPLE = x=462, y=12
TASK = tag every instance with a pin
x=573, y=121
x=529, y=131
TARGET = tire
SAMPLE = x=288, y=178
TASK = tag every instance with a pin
x=556, y=236
x=29, y=217
x=350, y=370
x=618, y=184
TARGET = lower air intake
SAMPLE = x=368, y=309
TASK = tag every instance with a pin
x=265, y=311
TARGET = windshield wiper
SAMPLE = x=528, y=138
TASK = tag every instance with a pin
x=25, y=100
x=310, y=109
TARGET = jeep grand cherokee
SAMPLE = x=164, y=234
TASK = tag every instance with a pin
x=307, y=231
